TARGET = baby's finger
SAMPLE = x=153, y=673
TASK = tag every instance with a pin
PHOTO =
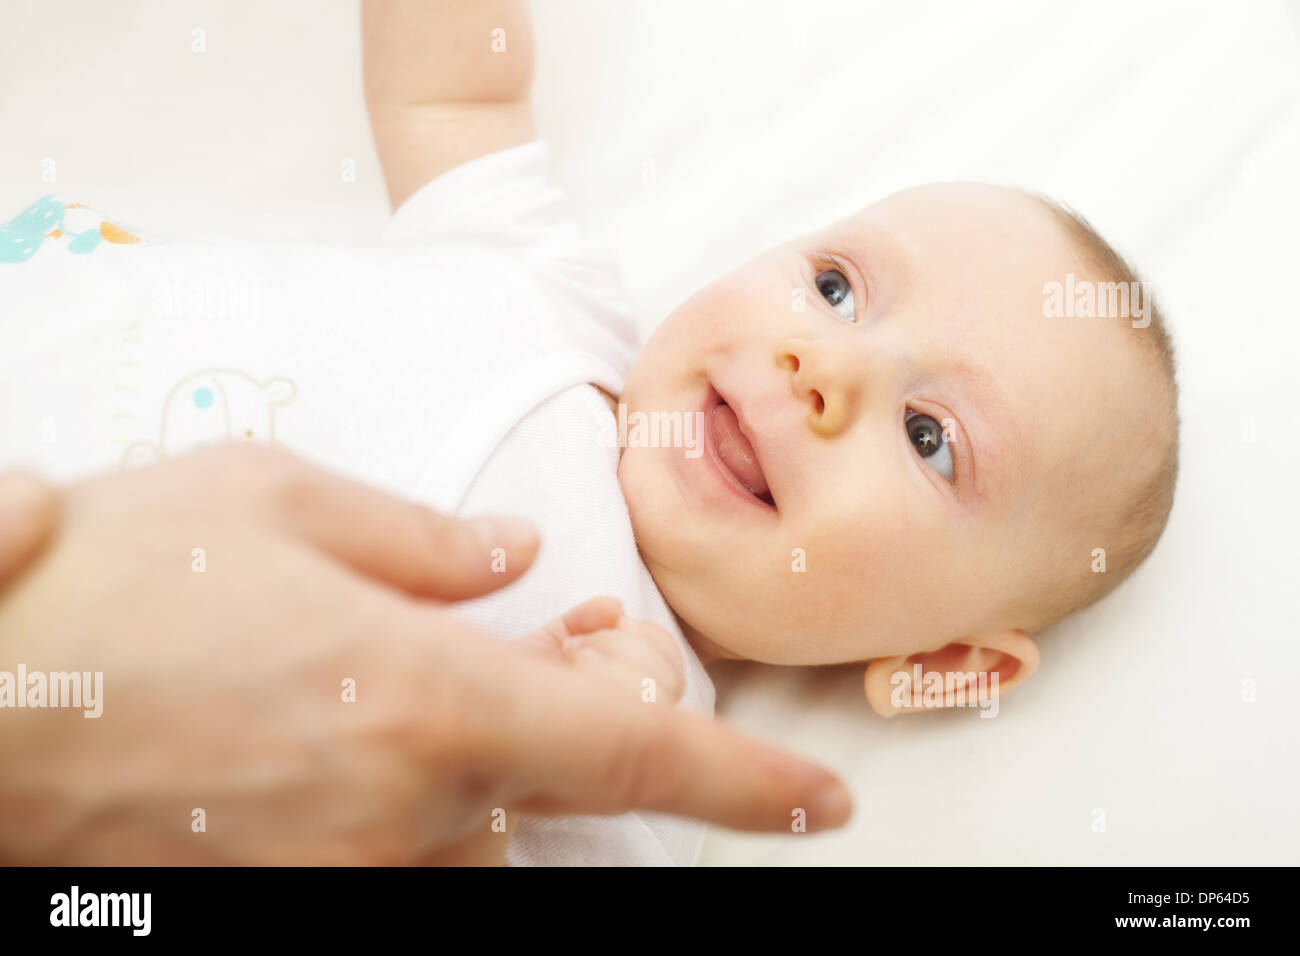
x=593, y=615
x=551, y=641
x=658, y=638
x=630, y=662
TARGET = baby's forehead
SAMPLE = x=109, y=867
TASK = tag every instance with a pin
x=963, y=267
x=967, y=251
x=976, y=220
x=982, y=198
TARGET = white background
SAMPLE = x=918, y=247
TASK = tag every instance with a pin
x=1175, y=127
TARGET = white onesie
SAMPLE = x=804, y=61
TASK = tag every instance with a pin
x=452, y=365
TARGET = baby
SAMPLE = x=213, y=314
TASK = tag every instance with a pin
x=902, y=458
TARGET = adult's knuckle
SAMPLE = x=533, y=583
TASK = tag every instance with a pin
x=645, y=769
x=289, y=488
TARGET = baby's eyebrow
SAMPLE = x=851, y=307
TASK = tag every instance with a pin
x=876, y=253
x=997, y=439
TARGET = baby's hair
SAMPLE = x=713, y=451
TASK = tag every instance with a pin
x=1132, y=530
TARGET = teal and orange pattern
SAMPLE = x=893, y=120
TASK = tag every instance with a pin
x=50, y=219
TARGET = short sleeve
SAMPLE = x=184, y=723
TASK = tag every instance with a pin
x=505, y=204
x=504, y=196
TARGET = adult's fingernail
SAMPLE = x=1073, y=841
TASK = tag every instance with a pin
x=831, y=807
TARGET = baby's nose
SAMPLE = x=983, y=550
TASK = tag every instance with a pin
x=815, y=382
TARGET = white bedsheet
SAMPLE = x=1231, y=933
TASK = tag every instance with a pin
x=695, y=134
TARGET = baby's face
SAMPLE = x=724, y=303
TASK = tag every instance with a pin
x=906, y=444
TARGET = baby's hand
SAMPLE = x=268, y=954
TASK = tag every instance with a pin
x=597, y=636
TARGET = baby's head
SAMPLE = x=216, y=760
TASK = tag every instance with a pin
x=916, y=458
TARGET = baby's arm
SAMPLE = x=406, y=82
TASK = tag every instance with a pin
x=445, y=82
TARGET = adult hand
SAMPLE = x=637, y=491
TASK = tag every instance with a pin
x=218, y=594
x=28, y=513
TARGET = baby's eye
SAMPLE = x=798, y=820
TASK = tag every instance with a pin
x=927, y=437
x=836, y=289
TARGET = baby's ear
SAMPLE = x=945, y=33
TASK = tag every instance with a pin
x=940, y=679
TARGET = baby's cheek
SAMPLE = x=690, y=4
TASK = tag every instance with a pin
x=865, y=568
x=720, y=316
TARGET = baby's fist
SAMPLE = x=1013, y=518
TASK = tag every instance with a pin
x=597, y=636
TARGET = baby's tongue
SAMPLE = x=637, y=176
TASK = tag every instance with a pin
x=735, y=450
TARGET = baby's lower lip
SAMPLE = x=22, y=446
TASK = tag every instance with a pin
x=731, y=455
x=735, y=451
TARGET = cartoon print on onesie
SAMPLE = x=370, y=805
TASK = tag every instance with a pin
x=211, y=406
x=73, y=225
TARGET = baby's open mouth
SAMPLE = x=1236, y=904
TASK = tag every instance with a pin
x=735, y=452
